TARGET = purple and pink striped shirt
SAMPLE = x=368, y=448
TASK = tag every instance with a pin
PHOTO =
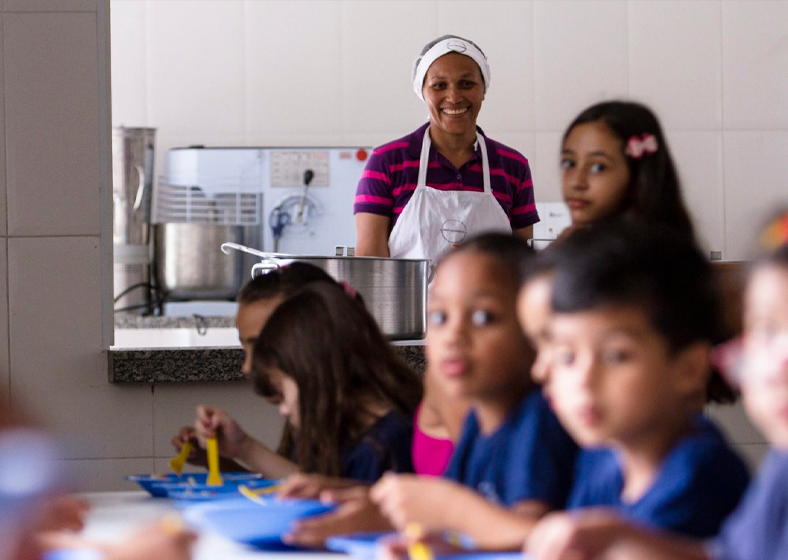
x=390, y=177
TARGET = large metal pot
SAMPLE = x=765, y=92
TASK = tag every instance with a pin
x=188, y=264
x=394, y=290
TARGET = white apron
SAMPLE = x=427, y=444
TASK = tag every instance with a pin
x=433, y=220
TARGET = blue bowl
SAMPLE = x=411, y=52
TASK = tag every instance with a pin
x=260, y=526
x=204, y=492
x=153, y=483
x=358, y=545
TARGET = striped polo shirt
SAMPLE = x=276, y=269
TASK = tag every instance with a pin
x=390, y=177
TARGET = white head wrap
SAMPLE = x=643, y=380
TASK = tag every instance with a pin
x=446, y=46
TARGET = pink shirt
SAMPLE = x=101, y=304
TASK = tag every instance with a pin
x=430, y=455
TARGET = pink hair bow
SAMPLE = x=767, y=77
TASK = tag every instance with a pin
x=638, y=146
x=349, y=289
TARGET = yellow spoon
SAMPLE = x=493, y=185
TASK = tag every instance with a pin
x=214, y=478
x=417, y=550
x=255, y=494
x=176, y=463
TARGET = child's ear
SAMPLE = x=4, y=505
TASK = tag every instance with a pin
x=692, y=368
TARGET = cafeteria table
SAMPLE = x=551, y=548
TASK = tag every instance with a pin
x=115, y=515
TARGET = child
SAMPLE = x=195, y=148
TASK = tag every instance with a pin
x=635, y=313
x=346, y=397
x=256, y=302
x=534, y=310
x=615, y=162
x=758, y=529
x=513, y=461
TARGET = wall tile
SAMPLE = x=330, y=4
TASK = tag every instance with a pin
x=755, y=56
x=293, y=84
x=377, y=60
x=580, y=57
x=195, y=70
x=675, y=61
x=105, y=475
x=174, y=406
x=50, y=5
x=52, y=124
x=546, y=167
x=128, y=52
x=59, y=369
x=505, y=34
x=755, y=170
x=5, y=377
x=3, y=206
x=734, y=422
x=698, y=156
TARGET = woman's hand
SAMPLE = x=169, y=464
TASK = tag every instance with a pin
x=214, y=422
x=407, y=499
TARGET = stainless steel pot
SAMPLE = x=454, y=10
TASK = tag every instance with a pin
x=394, y=290
x=188, y=264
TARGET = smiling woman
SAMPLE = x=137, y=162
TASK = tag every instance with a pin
x=428, y=191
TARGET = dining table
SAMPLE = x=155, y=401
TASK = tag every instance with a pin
x=114, y=516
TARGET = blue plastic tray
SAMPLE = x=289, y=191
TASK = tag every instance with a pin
x=245, y=522
x=154, y=483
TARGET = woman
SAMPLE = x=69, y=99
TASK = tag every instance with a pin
x=446, y=181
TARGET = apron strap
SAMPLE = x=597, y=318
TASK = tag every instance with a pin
x=424, y=162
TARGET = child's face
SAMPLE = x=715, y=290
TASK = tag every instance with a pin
x=594, y=173
x=287, y=388
x=250, y=320
x=613, y=379
x=765, y=376
x=474, y=342
x=533, y=310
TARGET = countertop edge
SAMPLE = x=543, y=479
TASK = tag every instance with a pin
x=178, y=365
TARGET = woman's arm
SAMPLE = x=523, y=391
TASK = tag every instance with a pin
x=372, y=235
x=524, y=233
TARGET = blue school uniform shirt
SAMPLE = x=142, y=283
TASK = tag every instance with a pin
x=758, y=529
x=385, y=447
x=699, y=484
x=530, y=457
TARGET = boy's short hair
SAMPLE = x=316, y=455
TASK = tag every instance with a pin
x=657, y=269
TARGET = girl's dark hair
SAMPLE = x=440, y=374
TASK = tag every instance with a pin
x=511, y=251
x=654, y=268
x=331, y=347
x=654, y=192
x=282, y=282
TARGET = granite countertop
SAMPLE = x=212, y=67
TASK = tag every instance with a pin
x=198, y=363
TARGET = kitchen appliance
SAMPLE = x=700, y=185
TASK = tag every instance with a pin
x=195, y=211
x=554, y=218
x=302, y=197
x=394, y=290
x=132, y=182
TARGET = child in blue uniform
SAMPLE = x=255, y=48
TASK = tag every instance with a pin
x=513, y=461
x=347, y=398
x=632, y=329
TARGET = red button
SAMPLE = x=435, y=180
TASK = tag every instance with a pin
x=361, y=155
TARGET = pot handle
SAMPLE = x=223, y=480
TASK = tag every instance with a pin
x=227, y=247
x=264, y=268
x=140, y=186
